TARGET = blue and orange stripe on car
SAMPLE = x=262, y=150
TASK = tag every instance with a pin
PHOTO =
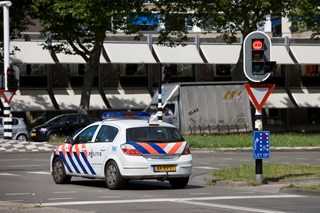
x=71, y=154
x=150, y=148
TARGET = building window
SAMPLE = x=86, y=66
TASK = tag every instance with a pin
x=145, y=23
x=311, y=70
x=276, y=26
x=133, y=75
x=275, y=116
x=177, y=73
x=208, y=25
x=175, y=22
x=133, y=69
x=32, y=69
x=76, y=69
x=223, y=70
x=181, y=70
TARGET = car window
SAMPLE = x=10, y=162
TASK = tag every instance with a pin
x=86, y=135
x=166, y=134
x=56, y=120
x=15, y=121
x=73, y=119
x=86, y=119
x=106, y=134
x=1, y=122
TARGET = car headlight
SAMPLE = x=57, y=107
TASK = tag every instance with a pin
x=43, y=129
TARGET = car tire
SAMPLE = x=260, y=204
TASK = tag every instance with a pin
x=114, y=179
x=22, y=137
x=59, y=173
x=179, y=183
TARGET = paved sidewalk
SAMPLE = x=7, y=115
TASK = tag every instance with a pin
x=10, y=146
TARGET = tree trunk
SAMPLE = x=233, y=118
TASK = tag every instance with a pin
x=90, y=73
x=237, y=72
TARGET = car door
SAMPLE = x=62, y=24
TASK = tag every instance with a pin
x=15, y=127
x=99, y=146
x=77, y=153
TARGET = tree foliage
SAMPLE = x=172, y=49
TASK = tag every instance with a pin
x=81, y=26
x=306, y=13
x=236, y=17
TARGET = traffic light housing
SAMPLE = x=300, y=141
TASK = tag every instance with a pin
x=12, y=81
x=257, y=62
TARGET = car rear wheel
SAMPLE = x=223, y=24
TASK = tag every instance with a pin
x=179, y=183
x=59, y=172
x=113, y=177
x=22, y=137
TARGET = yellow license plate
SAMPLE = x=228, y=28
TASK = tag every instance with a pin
x=33, y=134
x=165, y=168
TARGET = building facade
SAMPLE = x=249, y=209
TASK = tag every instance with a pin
x=50, y=83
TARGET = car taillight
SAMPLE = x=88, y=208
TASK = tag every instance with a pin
x=130, y=150
x=186, y=150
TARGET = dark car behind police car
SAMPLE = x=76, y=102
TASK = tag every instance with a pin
x=65, y=124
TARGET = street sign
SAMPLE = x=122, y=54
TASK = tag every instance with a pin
x=259, y=93
x=7, y=95
x=261, y=145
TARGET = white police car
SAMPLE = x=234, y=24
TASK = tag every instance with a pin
x=119, y=150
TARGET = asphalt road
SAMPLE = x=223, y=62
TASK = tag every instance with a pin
x=25, y=180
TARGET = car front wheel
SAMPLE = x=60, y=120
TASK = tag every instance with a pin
x=179, y=183
x=114, y=180
x=59, y=172
x=22, y=137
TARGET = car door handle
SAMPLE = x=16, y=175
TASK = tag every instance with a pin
x=102, y=150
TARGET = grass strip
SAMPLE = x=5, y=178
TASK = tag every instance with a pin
x=271, y=172
x=245, y=140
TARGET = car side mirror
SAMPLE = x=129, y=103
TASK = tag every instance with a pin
x=69, y=140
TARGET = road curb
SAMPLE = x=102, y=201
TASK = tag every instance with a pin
x=282, y=186
x=249, y=149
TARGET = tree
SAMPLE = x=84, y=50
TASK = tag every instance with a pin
x=229, y=17
x=306, y=13
x=80, y=27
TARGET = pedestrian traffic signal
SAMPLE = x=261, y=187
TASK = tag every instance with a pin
x=257, y=62
x=12, y=81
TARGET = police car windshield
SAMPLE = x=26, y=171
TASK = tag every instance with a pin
x=154, y=134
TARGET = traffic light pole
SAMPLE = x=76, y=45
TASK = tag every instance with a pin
x=257, y=67
x=259, y=162
x=6, y=49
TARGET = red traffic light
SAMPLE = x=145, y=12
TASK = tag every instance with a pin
x=10, y=71
x=257, y=44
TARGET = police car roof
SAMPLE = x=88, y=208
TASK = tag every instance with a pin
x=130, y=123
